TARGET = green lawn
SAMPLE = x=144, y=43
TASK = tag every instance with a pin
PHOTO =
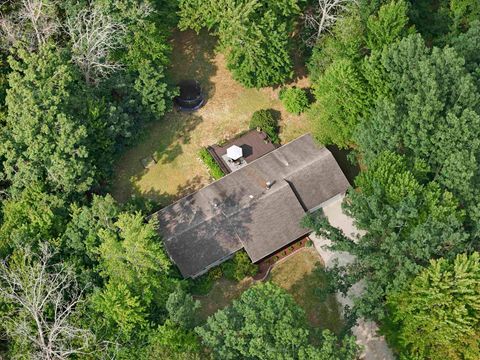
x=297, y=274
x=175, y=139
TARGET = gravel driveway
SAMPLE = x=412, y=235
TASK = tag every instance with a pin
x=374, y=346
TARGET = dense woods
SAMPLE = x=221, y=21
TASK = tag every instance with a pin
x=397, y=82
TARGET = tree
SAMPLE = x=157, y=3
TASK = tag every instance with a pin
x=406, y=223
x=94, y=36
x=131, y=254
x=438, y=314
x=170, y=342
x=463, y=13
x=271, y=325
x=266, y=121
x=29, y=219
x=43, y=139
x=31, y=22
x=294, y=99
x=388, y=25
x=342, y=100
x=42, y=298
x=181, y=308
x=427, y=108
x=255, y=35
x=81, y=239
x=467, y=45
x=122, y=312
x=322, y=16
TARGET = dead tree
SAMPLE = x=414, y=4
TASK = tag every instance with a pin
x=322, y=16
x=43, y=298
x=94, y=36
x=33, y=22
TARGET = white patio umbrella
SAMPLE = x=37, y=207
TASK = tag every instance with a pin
x=234, y=152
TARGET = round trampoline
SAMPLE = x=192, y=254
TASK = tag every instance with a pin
x=191, y=96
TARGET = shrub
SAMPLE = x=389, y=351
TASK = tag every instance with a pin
x=215, y=170
x=266, y=121
x=239, y=267
x=201, y=285
x=294, y=99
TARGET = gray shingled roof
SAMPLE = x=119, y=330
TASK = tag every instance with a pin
x=238, y=211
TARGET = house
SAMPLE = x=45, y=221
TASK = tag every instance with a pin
x=257, y=208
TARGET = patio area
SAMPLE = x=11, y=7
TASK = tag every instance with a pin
x=247, y=148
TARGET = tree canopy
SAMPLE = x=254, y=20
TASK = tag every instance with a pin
x=272, y=327
x=255, y=35
x=438, y=314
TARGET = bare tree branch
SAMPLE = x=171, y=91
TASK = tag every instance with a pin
x=44, y=297
x=34, y=23
x=94, y=36
x=322, y=16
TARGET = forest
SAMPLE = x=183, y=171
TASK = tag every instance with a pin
x=395, y=82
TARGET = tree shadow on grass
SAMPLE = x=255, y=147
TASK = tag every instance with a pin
x=322, y=309
x=193, y=58
x=163, y=199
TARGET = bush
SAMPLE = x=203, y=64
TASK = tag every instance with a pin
x=215, y=170
x=266, y=121
x=294, y=99
x=201, y=285
x=239, y=267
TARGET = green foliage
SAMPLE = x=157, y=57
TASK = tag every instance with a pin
x=131, y=254
x=81, y=239
x=438, y=314
x=202, y=284
x=266, y=121
x=406, y=223
x=29, y=219
x=120, y=309
x=214, y=169
x=294, y=99
x=43, y=139
x=432, y=19
x=342, y=100
x=147, y=51
x=272, y=327
x=463, y=12
x=467, y=45
x=170, y=342
x=181, y=308
x=387, y=25
x=427, y=108
x=345, y=42
x=255, y=35
x=239, y=267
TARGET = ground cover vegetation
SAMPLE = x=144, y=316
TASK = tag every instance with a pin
x=397, y=82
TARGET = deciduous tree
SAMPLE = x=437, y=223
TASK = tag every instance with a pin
x=438, y=314
x=254, y=34
x=41, y=298
x=43, y=139
x=272, y=327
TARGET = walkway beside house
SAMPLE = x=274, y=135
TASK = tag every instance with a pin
x=375, y=346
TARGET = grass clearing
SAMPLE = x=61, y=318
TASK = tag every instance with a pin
x=174, y=140
x=299, y=276
x=222, y=294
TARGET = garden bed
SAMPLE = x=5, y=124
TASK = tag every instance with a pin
x=266, y=264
